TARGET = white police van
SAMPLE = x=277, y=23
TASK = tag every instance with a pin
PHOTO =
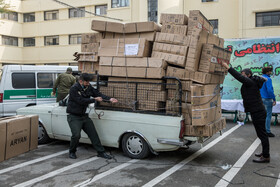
x=27, y=85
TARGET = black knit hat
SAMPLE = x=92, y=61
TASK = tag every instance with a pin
x=86, y=77
x=247, y=71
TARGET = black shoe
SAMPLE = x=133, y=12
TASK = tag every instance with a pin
x=104, y=155
x=262, y=160
x=72, y=155
x=258, y=154
x=270, y=135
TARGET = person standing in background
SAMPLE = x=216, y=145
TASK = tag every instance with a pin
x=63, y=84
x=268, y=98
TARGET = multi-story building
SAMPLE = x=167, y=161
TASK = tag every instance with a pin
x=49, y=31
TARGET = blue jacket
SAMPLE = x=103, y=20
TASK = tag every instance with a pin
x=267, y=91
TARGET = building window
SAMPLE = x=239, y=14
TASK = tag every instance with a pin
x=28, y=42
x=9, y=40
x=214, y=22
x=120, y=3
x=51, y=40
x=29, y=17
x=10, y=16
x=75, y=39
x=101, y=10
x=77, y=12
x=51, y=15
x=265, y=19
x=153, y=10
x=23, y=80
x=208, y=0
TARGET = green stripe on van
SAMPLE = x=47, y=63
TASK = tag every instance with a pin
x=27, y=94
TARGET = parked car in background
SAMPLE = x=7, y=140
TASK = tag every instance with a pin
x=27, y=85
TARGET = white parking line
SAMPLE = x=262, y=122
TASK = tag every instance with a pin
x=54, y=173
x=278, y=182
x=227, y=178
x=190, y=158
x=101, y=175
x=32, y=162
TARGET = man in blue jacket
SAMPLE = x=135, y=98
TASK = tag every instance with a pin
x=268, y=98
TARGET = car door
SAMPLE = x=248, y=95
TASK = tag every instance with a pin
x=45, y=82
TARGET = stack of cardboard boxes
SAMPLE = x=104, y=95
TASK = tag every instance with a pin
x=185, y=48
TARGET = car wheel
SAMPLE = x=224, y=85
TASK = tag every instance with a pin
x=42, y=135
x=134, y=146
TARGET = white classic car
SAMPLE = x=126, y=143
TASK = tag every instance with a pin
x=137, y=134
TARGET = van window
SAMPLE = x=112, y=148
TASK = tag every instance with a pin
x=45, y=80
x=23, y=80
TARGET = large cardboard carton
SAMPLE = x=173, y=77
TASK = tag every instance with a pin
x=88, y=67
x=151, y=105
x=207, y=78
x=147, y=26
x=178, y=19
x=133, y=72
x=198, y=20
x=150, y=36
x=181, y=74
x=170, y=48
x=91, y=38
x=3, y=130
x=170, y=58
x=172, y=39
x=201, y=94
x=97, y=25
x=174, y=95
x=173, y=84
x=91, y=47
x=213, y=39
x=151, y=95
x=34, y=121
x=130, y=47
x=174, y=29
x=133, y=62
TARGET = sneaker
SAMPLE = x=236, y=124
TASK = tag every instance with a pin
x=104, y=155
x=270, y=134
x=72, y=155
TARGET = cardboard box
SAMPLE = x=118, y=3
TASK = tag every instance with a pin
x=178, y=19
x=151, y=95
x=209, y=57
x=172, y=39
x=150, y=36
x=174, y=95
x=151, y=105
x=91, y=38
x=91, y=47
x=130, y=47
x=18, y=134
x=133, y=62
x=88, y=56
x=198, y=20
x=143, y=84
x=181, y=74
x=146, y=26
x=170, y=58
x=88, y=67
x=207, y=78
x=97, y=25
x=133, y=72
x=221, y=43
x=195, y=48
x=173, y=107
x=173, y=84
x=201, y=94
x=213, y=39
x=174, y=29
x=170, y=48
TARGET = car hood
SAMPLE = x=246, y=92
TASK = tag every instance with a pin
x=37, y=109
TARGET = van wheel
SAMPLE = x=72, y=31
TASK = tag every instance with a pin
x=134, y=146
x=42, y=135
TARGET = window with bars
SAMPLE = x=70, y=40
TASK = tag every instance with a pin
x=75, y=39
x=119, y=3
x=153, y=10
x=51, y=40
x=101, y=10
x=215, y=23
x=10, y=16
x=264, y=19
x=51, y=15
x=29, y=17
x=28, y=42
x=9, y=40
x=77, y=12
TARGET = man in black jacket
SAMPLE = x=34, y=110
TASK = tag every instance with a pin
x=252, y=102
x=80, y=96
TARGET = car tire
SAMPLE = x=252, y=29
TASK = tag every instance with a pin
x=43, y=137
x=134, y=146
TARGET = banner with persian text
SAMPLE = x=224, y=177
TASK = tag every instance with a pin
x=254, y=54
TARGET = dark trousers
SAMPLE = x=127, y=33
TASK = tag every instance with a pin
x=259, y=124
x=60, y=96
x=77, y=123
